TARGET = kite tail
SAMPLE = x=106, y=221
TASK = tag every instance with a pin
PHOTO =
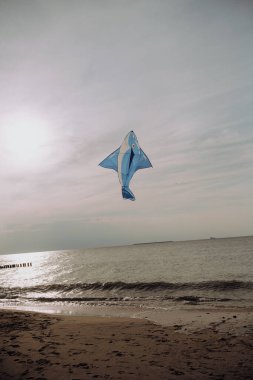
x=127, y=193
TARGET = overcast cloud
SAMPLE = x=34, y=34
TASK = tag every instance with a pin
x=177, y=72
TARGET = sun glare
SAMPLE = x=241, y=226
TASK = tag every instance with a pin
x=25, y=139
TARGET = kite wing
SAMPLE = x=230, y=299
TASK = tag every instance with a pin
x=111, y=162
x=143, y=161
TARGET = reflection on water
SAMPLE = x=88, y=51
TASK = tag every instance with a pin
x=39, y=273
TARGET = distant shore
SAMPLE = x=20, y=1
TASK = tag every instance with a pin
x=53, y=249
x=36, y=345
x=155, y=242
x=207, y=238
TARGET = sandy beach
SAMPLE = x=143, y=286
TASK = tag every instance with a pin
x=43, y=346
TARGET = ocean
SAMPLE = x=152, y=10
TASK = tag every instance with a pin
x=131, y=280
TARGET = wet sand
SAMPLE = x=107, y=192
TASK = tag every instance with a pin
x=43, y=346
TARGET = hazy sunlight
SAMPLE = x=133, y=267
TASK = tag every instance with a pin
x=25, y=139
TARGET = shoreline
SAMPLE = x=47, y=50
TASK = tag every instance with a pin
x=190, y=317
x=49, y=346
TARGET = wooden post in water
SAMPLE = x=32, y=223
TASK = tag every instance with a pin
x=18, y=265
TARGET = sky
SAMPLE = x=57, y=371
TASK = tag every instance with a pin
x=76, y=77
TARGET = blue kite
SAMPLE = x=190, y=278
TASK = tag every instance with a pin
x=126, y=160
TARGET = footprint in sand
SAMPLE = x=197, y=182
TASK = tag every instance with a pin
x=82, y=365
x=43, y=361
x=13, y=353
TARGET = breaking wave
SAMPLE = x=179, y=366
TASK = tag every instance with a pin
x=142, y=286
x=115, y=291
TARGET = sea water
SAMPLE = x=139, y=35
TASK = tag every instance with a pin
x=143, y=276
